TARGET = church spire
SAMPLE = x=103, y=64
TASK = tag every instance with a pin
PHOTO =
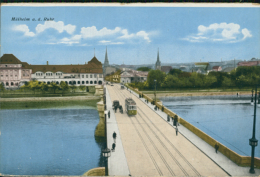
x=158, y=57
x=106, y=63
x=158, y=62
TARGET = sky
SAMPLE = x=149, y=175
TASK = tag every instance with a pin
x=132, y=35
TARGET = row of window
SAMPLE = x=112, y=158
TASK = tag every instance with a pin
x=78, y=82
x=7, y=75
x=12, y=84
x=60, y=74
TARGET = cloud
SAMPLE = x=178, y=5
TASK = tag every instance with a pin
x=89, y=32
x=109, y=42
x=139, y=34
x=24, y=29
x=59, y=26
x=219, y=32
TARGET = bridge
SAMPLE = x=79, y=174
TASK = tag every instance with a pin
x=148, y=145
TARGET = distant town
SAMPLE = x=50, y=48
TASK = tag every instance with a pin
x=15, y=73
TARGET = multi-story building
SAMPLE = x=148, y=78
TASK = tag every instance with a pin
x=130, y=76
x=12, y=74
x=89, y=74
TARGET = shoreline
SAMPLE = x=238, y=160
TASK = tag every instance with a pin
x=197, y=94
x=50, y=98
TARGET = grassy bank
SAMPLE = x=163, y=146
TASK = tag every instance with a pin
x=42, y=104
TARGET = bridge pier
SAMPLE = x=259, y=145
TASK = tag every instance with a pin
x=100, y=129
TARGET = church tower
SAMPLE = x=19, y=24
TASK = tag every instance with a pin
x=158, y=62
x=106, y=63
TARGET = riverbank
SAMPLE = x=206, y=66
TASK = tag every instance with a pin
x=174, y=94
x=49, y=102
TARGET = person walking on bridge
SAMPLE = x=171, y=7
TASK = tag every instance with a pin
x=176, y=131
x=114, y=137
x=113, y=147
x=108, y=114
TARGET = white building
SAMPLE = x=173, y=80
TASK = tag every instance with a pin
x=14, y=72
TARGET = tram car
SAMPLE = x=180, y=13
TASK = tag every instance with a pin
x=122, y=87
x=130, y=106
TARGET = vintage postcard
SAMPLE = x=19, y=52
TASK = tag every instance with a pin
x=115, y=89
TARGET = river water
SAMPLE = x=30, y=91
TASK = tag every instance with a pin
x=228, y=119
x=49, y=141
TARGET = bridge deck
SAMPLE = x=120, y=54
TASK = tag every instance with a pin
x=151, y=146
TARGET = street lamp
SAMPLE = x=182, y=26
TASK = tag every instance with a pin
x=253, y=141
x=106, y=153
x=252, y=98
x=155, y=91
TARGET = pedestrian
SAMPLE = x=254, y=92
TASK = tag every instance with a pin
x=216, y=147
x=113, y=147
x=176, y=131
x=115, y=108
x=114, y=137
x=108, y=114
x=162, y=109
x=237, y=94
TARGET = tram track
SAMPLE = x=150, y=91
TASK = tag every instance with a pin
x=152, y=142
x=146, y=147
x=164, y=146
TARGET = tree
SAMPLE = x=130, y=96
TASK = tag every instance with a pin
x=143, y=69
x=54, y=86
x=227, y=82
x=44, y=87
x=82, y=88
x=209, y=80
x=64, y=86
x=175, y=72
x=34, y=85
x=171, y=81
x=157, y=75
x=2, y=87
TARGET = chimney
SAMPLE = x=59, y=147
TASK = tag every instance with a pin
x=47, y=62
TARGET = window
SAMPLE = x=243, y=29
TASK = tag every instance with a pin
x=11, y=75
x=2, y=76
x=90, y=75
x=7, y=75
x=66, y=82
x=74, y=82
x=70, y=82
x=78, y=82
x=86, y=82
x=12, y=83
x=83, y=82
x=95, y=76
x=91, y=82
x=82, y=76
x=95, y=82
x=86, y=76
x=48, y=82
x=7, y=84
x=100, y=75
x=6, y=66
x=57, y=82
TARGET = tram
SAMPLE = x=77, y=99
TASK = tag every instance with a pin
x=130, y=106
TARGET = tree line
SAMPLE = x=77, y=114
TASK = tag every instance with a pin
x=49, y=88
x=241, y=77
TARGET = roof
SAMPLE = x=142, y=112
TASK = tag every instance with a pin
x=9, y=59
x=249, y=63
x=93, y=66
x=216, y=67
x=130, y=101
x=166, y=69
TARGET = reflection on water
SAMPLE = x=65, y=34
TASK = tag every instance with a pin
x=228, y=119
x=49, y=141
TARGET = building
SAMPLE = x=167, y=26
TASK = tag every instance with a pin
x=166, y=69
x=130, y=76
x=114, y=77
x=12, y=71
x=89, y=74
x=158, y=62
x=217, y=68
x=249, y=63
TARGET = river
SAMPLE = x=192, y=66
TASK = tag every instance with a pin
x=49, y=141
x=228, y=119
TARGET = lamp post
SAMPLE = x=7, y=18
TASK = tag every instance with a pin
x=253, y=141
x=252, y=98
x=106, y=152
x=155, y=91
